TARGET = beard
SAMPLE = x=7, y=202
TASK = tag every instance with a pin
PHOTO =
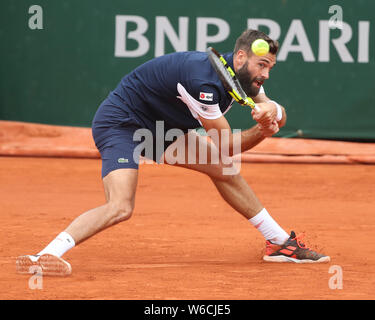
x=247, y=80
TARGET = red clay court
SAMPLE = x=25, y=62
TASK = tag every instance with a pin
x=184, y=241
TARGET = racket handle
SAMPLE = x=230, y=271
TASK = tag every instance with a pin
x=256, y=108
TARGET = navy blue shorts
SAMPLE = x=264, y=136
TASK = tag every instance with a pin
x=113, y=129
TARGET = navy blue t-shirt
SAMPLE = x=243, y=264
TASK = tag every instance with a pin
x=150, y=90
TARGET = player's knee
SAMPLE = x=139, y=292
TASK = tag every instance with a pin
x=120, y=211
x=229, y=177
x=225, y=172
x=124, y=213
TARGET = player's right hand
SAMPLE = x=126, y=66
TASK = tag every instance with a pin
x=269, y=131
x=265, y=114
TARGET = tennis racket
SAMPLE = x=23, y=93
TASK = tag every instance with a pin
x=229, y=79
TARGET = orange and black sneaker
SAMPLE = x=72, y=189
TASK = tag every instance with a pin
x=293, y=250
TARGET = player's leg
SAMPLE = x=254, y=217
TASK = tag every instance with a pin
x=120, y=187
x=280, y=247
x=120, y=175
x=224, y=174
x=231, y=185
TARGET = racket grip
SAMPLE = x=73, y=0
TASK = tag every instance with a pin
x=256, y=108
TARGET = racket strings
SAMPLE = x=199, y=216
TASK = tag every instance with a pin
x=228, y=78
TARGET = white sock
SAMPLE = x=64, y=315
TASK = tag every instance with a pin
x=61, y=244
x=269, y=227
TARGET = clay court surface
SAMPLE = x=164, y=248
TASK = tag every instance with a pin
x=184, y=241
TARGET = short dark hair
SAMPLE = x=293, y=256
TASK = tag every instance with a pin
x=245, y=40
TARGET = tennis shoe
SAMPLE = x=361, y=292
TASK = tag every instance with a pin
x=46, y=264
x=293, y=250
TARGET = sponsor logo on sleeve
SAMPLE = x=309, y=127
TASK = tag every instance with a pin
x=206, y=96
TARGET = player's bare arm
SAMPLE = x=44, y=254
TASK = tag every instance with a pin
x=268, y=110
x=247, y=139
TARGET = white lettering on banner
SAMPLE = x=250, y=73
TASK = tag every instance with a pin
x=137, y=35
x=296, y=31
x=202, y=32
x=323, y=41
x=296, y=39
x=274, y=29
x=164, y=27
x=339, y=43
x=363, y=41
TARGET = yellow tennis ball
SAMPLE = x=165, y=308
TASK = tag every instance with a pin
x=260, y=47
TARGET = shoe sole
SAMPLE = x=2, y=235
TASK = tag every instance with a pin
x=289, y=259
x=46, y=265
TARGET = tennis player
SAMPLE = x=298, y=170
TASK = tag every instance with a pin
x=180, y=91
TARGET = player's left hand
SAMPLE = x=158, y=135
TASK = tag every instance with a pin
x=266, y=114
